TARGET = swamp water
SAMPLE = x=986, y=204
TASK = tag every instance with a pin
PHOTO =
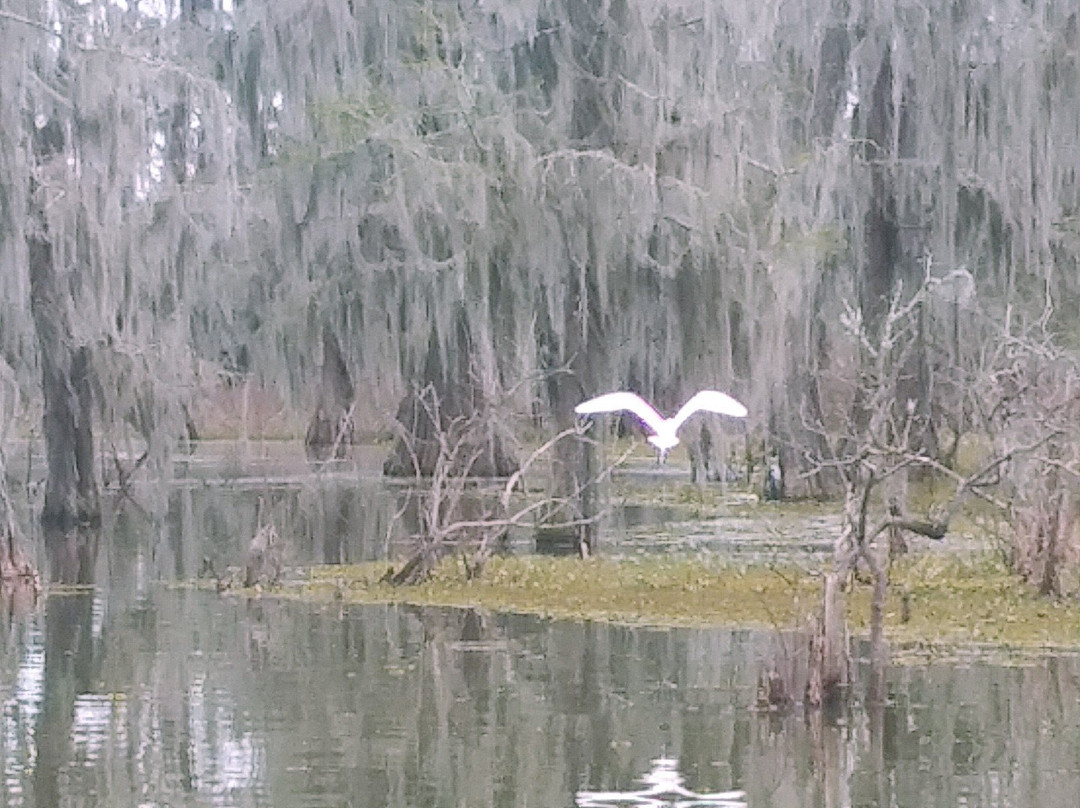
x=135, y=692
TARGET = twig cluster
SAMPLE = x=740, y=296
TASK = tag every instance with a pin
x=455, y=510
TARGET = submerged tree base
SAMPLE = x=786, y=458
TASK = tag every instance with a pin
x=940, y=603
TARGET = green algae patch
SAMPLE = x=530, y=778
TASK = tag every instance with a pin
x=652, y=591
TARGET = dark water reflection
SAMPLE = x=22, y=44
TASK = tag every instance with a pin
x=135, y=693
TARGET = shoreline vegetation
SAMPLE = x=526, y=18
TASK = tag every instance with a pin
x=953, y=600
x=941, y=604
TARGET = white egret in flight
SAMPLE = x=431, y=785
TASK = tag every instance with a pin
x=664, y=429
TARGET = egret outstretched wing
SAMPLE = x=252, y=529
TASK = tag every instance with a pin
x=711, y=400
x=616, y=402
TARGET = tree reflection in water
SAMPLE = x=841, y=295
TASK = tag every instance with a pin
x=120, y=684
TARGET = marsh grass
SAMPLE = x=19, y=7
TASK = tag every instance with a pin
x=971, y=600
x=954, y=601
x=653, y=591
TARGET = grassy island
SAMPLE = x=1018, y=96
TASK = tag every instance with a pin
x=939, y=603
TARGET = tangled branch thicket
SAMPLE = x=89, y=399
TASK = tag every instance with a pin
x=454, y=510
x=1014, y=412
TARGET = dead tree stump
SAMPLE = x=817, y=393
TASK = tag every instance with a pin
x=829, y=660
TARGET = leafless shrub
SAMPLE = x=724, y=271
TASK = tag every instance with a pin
x=456, y=510
x=1017, y=399
x=1039, y=486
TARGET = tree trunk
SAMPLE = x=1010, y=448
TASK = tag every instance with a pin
x=574, y=465
x=13, y=562
x=20, y=584
x=71, y=491
x=331, y=427
x=1052, y=524
x=449, y=405
x=15, y=565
